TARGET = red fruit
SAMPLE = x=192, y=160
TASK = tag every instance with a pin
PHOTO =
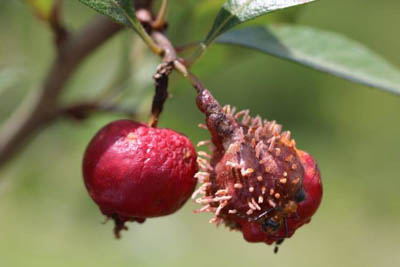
x=253, y=232
x=257, y=181
x=134, y=172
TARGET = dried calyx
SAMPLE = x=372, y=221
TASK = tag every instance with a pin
x=254, y=181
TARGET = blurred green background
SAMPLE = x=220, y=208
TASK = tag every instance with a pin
x=48, y=219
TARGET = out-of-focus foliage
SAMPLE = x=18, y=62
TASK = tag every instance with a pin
x=48, y=218
x=121, y=11
x=235, y=12
x=8, y=78
x=42, y=8
x=321, y=50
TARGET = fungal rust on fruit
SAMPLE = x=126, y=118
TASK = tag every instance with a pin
x=260, y=171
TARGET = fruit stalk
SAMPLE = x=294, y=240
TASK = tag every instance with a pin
x=161, y=79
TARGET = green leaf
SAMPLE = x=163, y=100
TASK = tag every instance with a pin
x=122, y=11
x=324, y=51
x=235, y=12
x=42, y=8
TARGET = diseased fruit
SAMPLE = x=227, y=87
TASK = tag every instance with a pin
x=312, y=186
x=134, y=172
x=256, y=181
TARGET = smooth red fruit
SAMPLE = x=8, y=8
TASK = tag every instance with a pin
x=134, y=172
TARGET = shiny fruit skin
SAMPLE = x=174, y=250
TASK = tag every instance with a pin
x=133, y=171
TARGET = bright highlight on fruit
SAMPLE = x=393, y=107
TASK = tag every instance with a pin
x=134, y=172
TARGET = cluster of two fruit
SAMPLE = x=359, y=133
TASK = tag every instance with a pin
x=255, y=181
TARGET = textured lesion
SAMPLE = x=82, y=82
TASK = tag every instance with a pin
x=257, y=173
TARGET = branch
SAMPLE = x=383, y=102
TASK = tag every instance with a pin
x=206, y=102
x=56, y=25
x=83, y=110
x=160, y=22
x=40, y=108
x=169, y=54
x=161, y=79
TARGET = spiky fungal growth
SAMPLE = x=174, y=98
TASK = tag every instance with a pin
x=254, y=179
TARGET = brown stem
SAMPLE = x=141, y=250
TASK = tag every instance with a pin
x=160, y=22
x=81, y=111
x=169, y=54
x=161, y=77
x=185, y=47
x=55, y=21
x=42, y=107
x=220, y=125
x=217, y=121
